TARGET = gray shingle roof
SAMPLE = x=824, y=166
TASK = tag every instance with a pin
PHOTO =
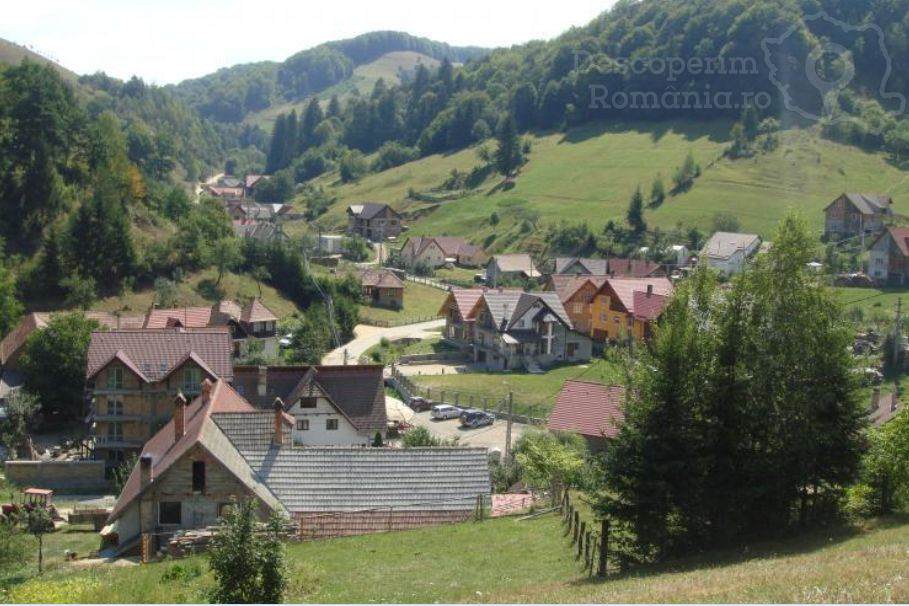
x=368, y=210
x=870, y=204
x=350, y=479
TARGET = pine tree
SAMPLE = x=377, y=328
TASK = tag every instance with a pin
x=508, y=154
x=277, y=146
x=312, y=116
x=657, y=192
x=334, y=107
x=10, y=308
x=291, y=139
x=635, y=215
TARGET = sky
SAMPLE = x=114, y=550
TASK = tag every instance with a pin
x=165, y=41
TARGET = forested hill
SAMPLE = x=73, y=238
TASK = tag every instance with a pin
x=231, y=93
x=646, y=60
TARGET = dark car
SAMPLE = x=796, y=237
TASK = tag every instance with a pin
x=476, y=418
x=419, y=404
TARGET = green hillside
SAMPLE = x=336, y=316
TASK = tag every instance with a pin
x=387, y=67
x=589, y=173
x=530, y=561
x=13, y=54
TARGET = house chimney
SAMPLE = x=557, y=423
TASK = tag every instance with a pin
x=179, y=417
x=262, y=383
x=207, y=386
x=145, y=466
x=875, y=398
x=649, y=289
x=279, y=421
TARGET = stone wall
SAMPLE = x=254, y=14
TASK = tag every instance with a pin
x=72, y=476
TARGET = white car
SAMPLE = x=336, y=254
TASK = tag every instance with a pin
x=441, y=412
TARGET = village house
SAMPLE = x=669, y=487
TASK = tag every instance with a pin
x=632, y=268
x=727, y=252
x=13, y=344
x=133, y=375
x=511, y=267
x=220, y=448
x=888, y=257
x=250, y=182
x=627, y=308
x=330, y=405
x=511, y=329
x=576, y=291
x=382, y=288
x=856, y=214
x=439, y=251
x=222, y=191
x=591, y=410
x=373, y=221
x=260, y=231
x=250, y=322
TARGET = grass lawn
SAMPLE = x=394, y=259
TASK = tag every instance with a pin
x=877, y=305
x=530, y=561
x=533, y=394
x=386, y=354
x=461, y=276
x=421, y=302
x=588, y=175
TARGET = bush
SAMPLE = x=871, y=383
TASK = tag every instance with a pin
x=394, y=154
x=353, y=166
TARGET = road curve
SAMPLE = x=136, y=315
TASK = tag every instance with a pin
x=366, y=336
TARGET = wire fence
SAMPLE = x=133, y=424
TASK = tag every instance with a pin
x=532, y=414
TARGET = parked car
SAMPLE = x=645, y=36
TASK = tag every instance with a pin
x=476, y=418
x=419, y=404
x=441, y=412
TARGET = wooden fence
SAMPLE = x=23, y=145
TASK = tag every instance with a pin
x=401, y=322
x=592, y=545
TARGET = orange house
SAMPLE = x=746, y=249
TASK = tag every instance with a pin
x=625, y=308
x=576, y=293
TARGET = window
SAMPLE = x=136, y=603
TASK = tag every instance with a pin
x=170, y=512
x=198, y=476
x=115, y=377
x=308, y=402
x=331, y=424
x=115, y=408
x=303, y=425
x=192, y=378
x=571, y=349
x=115, y=431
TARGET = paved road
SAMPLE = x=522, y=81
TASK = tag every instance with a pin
x=491, y=436
x=366, y=336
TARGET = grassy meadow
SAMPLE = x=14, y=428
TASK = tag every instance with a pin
x=589, y=173
x=421, y=302
x=531, y=562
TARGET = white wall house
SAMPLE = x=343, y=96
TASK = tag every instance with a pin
x=318, y=422
x=727, y=252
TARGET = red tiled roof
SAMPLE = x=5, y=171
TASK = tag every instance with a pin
x=900, y=236
x=162, y=448
x=187, y=317
x=14, y=341
x=257, y=312
x=624, y=289
x=158, y=352
x=567, y=285
x=648, y=307
x=633, y=268
x=589, y=409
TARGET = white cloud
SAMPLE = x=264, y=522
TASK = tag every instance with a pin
x=166, y=41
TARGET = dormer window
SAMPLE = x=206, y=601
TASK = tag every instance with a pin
x=308, y=402
x=115, y=377
x=192, y=379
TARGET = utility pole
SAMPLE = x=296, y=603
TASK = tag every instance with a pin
x=508, y=426
x=345, y=356
x=897, y=331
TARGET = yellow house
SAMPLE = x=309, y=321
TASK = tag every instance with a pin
x=624, y=308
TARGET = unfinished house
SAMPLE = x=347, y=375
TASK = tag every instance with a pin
x=373, y=221
x=220, y=448
x=132, y=377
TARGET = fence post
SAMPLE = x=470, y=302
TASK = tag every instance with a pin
x=581, y=535
x=604, y=547
x=577, y=523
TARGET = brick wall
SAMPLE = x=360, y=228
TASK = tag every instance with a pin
x=87, y=476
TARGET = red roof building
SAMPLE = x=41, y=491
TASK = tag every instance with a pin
x=591, y=410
